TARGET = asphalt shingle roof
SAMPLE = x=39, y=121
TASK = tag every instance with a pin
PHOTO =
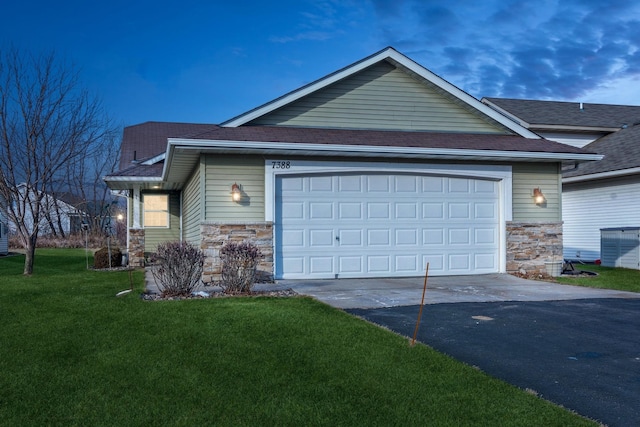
x=160, y=132
x=149, y=139
x=569, y=113
x=621, y=151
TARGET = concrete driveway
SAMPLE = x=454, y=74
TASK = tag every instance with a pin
x=378, y=293
x=577, y=347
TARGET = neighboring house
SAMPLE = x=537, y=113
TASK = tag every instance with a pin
x=4, y=228
x=372, y=171
x=57, y=216
x=596, y=195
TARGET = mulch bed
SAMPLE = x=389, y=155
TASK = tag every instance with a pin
x=218, y=294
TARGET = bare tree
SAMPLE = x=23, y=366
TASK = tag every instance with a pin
x=47, y=121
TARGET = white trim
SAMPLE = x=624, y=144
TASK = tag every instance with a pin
x=392, y=54
x=137, y=223
x=153, y=160
x=288, y=148
x=601, y=175
x=502, y=174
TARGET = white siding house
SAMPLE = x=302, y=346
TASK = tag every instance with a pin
x=602, y=194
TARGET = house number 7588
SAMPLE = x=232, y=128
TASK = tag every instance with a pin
x=281, y=165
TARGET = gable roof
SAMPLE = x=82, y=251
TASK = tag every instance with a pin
x=408, y=65
x=621, y=157
x=145, y=140
x=559, y=115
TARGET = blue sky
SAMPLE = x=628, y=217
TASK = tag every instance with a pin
x=208, y=61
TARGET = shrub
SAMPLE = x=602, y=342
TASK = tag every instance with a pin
x=178, y=268
x=239, y=264
x=101, y=258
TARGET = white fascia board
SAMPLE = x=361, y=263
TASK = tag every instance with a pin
x=306, y=90
x=154, y=160
x=462, y=95
x=601, y=175
x=506, y=113
x=388, y=53
x=274, y=148
x=575, y=128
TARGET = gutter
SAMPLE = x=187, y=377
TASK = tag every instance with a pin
x=601, y=175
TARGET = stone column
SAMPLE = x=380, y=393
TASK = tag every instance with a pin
x=217, y=234
x=136, y=247
x=530, y=244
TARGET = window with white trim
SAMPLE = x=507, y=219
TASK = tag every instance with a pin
x=156, y=210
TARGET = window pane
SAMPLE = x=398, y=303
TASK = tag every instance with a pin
x=156, y=202
x=156, y=210
x=155, y=219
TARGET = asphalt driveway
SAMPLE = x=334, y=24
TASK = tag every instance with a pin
x=577, y=347
x=582, y=354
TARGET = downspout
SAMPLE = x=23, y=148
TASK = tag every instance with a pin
x=181, y=230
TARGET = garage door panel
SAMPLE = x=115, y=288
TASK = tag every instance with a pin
x=293, y=238
x=485, y=262
x=485, y=236
x=433, y=236
x=293, y=210
x=406, y=184
x=368, y=225
x=381, y=237
x=406, y=237
x=406, y=210
x=459, y=185
x=350, y=210
x=350, y=265
x=321, y=238
x=320, y=210
x=319, y=184
x=293, y=265
x=352, y=238
x=433, y=185
x=378, y=183
x=436, y=263
x=320, y=265
x=485, y=211
x=433, y=210
x=379, y=210
x=459, y=211
x=459, y=263
x=350, y=183
x=379, y=264
x=406, y=264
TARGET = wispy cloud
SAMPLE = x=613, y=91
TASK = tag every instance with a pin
x=548, y=49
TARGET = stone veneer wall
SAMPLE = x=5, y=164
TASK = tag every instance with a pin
x=136, y=247
x=215, y=234
x=530, y=244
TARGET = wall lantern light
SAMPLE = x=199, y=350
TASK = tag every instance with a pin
x=236, y=194
x=538, y=197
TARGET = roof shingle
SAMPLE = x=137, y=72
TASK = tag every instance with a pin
x=569, y=113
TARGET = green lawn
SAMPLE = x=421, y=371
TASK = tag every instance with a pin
x=71, y=353
x=622, y=279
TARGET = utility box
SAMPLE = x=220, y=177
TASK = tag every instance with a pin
x=620, y=247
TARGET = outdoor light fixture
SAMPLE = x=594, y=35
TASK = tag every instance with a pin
x=236, y=194
x=538, y=197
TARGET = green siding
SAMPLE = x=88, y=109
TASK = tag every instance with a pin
x=526, y=177
x=154, y=236
x=192, y=213
x=382, y=97
x=221, y=172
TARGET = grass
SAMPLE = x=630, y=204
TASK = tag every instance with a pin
x=71, y=353
x=622, y=279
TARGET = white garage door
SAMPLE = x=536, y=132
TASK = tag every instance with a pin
x=381, y=225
